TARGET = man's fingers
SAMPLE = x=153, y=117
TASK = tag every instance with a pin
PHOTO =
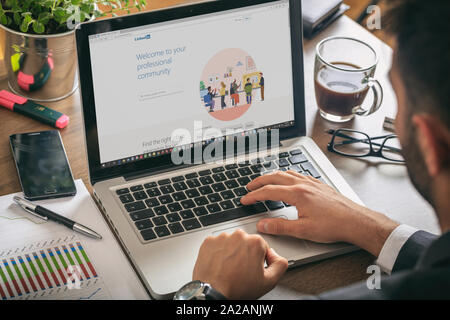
x=280, y=226
x=276, y=267
x=269, y=192
x=276, y=178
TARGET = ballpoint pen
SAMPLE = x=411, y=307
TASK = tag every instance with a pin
x=46, y=214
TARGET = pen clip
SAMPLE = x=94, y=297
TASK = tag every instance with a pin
x=28, y=207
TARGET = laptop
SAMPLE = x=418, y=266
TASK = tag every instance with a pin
x=162, y=93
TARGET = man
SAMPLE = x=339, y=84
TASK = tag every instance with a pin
x=261, y=85
x=248, y=87
x=419, y=262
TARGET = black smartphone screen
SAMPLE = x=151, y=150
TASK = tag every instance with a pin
x=41, y=162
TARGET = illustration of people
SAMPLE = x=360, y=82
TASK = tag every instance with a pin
x=222, y=93
x=234, y=92
x=248, y=88
x=209, y=99
x=261, y=84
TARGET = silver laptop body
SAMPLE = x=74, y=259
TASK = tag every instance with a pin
x=165, y=263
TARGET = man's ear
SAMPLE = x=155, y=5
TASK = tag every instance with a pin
x=433, y=138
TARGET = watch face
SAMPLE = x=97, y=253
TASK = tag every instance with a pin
x=190, y=290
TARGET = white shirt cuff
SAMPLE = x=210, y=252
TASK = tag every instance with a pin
x=392, y=247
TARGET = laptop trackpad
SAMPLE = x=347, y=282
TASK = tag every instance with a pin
x=288, y=247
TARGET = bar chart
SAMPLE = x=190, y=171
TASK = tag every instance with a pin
x=57, y=268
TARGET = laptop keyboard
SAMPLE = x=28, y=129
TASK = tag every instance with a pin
x=168, y=207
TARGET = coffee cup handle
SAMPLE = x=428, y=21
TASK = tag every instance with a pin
x=377, y=98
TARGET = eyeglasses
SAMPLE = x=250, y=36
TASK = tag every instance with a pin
x=357, y=144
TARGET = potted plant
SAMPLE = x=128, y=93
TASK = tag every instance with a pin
x=39, y=48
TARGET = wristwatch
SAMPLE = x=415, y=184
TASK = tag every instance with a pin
x=198, y=290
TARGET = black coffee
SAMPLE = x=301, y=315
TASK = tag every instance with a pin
x=339, y=92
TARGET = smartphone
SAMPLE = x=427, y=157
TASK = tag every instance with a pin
x=42, y=165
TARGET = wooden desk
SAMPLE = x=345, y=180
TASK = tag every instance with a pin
x=383, y=187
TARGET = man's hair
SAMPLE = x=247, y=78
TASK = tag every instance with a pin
x=421, y=29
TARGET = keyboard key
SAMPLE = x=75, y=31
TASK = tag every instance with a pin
x=283, y=155
x=187, y=204
x=214, y=207
x=193, y=183
x=162, y=231
x=295, y=168
x=270, y=157
x=200, y=211
x=201, y=201
x=160, y=210
x=232, y=214
x=269, y=165
x=231, y=166
x=217, y=187
x=165, y=199
x=231, y=184
x=218, y=169
x=192, y=193
x=150, y=185
x=152, y=202
x=178, y=196
x=214, y=197
x=167, y=189
x=191, y=224
x=143, y=214
x=245, y=171
x=186, y=214
x=176, y=228
x=125, y=198
x=136, y=188
x=163, y=182
x=297, y=159
x=153, y=192
x=179, y=186
x=204, y=172
x=205, y=190
x=122, y=191
x=257, y=168
x=233, y=174
x=243, y=181
x=283, y=162
x=227, y=204
x=228, y=194
x=274, y=205
x=177, y=179
x=218, y=177
x=143, y=224
x=140, y=195
x=159, y=221
x=148, y=234
x=135, y=206
x=173, y=217
x=237, y=202
x=310, y=168
x=191, y=175
x=295, y=151
x=254, y=176
x=174, y=207
x=240, y=191
x=206, y=180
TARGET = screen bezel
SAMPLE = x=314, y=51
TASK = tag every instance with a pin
x=60, y=191
x=96, y=171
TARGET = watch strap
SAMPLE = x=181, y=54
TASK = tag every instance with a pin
x=213, y=294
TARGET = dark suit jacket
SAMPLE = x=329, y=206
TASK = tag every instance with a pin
x=421, y=271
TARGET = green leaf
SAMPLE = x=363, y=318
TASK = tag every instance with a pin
x=38, y=27
x=4, y=19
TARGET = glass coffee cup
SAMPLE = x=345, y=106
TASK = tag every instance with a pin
x=343, y=74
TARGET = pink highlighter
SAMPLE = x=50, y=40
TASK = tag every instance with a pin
x=33, y=110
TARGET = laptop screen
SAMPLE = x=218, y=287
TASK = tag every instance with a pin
x=228, y=72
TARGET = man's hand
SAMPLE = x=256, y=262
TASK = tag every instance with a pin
x=234, y=265
x=324, y=215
